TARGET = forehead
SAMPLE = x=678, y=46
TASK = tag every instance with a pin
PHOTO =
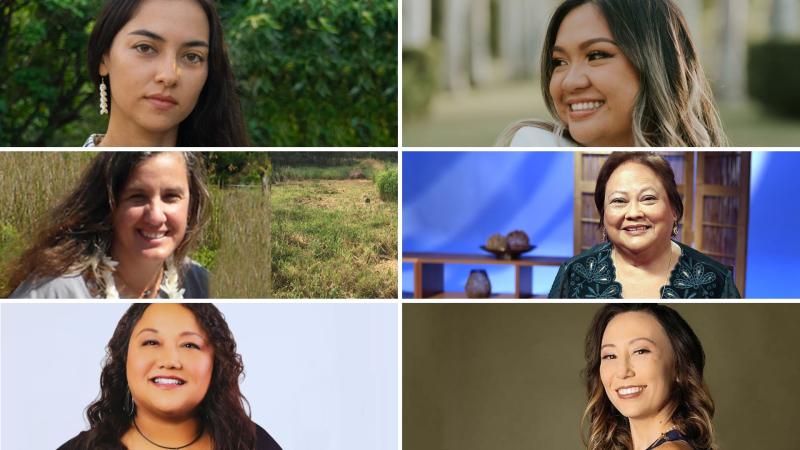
x=170, y=166
x=179, y=20
x=581, y=24
x=633, y=176
x=634, y=324
x=168, y=318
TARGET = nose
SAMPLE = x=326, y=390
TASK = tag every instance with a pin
x=154, y=213
x=626, y=369
x=168, y=359
x=168, y=71
x=634, y=211
x=575, y=78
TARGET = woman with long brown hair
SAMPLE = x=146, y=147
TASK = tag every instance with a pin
x=644, y=381
x=171, y=380
x=124, y=231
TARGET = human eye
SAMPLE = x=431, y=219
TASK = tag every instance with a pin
x=649, y=198
x=191, y=345
x=173, y=197
x=149, y=343
x=597, y=54
x=558, y=62
x=144, y=49
x=608, y=357
x=641, y=351
x=617, y=200
x=194, y=58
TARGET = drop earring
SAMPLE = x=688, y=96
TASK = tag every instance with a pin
x=103, y=96
x=675, y=229
x=603, y=232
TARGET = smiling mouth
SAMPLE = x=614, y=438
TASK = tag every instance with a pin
x=586, y=106
x=630, y=391
x=638, y=229
x=152, y=235
x=163, y=381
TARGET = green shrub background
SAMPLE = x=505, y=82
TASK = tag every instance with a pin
x=772, y=74
x=309, y=72
x=387, y=184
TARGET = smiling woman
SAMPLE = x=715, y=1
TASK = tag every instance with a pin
x=163, y=76
x=644, y=379
x=124, y=231
x=171, y=380
x=640, y=206
x=621, y=73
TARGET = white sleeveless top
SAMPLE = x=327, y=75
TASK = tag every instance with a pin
x=539, y=137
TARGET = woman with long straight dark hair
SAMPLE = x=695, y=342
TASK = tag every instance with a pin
x=163, y=75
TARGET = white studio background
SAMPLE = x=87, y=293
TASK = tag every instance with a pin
x=318, y=376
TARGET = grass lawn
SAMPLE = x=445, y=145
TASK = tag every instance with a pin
x=333, y=239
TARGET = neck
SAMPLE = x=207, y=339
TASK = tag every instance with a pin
x=124, y=133
x=138, y=276
x=168, y=432
x=645, y=431
x=653, y=259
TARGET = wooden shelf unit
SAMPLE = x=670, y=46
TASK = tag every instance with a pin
x=429, y=272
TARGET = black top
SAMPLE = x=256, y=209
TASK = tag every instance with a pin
x=592, y=275
x=671, y=435
x=263, y=441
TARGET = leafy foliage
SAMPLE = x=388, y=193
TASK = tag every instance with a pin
x=317, y=72
x=386, y=182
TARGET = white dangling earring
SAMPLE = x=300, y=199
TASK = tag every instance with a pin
x=103, y=97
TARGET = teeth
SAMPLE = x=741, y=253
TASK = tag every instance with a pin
x=630, y=390
x=585, y=106
x=166, y=381
x=153, y=235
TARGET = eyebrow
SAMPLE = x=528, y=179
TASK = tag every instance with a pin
x=587, y=43
x=157, y=37
x=646, y=188
x=631, y=342
x=185, y=333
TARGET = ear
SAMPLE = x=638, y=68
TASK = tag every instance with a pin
x=103, y=69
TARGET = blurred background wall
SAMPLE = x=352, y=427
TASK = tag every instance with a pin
x=453, y=202
x=470, y=67
x=479, y=377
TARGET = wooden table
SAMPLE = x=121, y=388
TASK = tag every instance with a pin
x=429, y=272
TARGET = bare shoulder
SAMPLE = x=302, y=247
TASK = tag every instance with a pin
x=675, y=445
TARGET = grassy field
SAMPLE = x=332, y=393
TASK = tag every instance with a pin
x=333, y=239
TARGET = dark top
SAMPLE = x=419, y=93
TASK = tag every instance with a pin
x=671, y=435
x=592, y=275
x=263, y=441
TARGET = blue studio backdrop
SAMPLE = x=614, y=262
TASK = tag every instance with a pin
x=453, y=202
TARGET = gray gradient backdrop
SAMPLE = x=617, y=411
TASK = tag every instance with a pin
x=483, y=376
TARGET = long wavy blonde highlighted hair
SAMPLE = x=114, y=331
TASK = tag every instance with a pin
x=693, y=406
x=675, y=104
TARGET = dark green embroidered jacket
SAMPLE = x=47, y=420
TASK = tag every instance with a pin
x=592, y=275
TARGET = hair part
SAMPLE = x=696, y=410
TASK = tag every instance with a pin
x=222, y=411
x=216, y=120
x=77, y=233
x=654, y=162
x=675, y=105
x=693, y=406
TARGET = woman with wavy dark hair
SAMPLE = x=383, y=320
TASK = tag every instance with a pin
x=171, y=380
x=621, y=73
x=163, y=75
x=644, y=380
x=124, y=231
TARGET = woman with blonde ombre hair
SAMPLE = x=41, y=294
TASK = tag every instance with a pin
x=621, y=73
x=644, y=380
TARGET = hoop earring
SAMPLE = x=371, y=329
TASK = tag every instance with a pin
x=129, y=406
x=675, y=229
x=103, y=96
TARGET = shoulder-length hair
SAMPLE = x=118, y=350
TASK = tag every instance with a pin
x=216, y=120
x=655, y=162
x=675, y=104
x=76, y=234
x=222, y=411
x=693, y=405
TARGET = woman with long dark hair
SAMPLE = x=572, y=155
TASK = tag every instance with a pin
x=124, y=231
x=171, y=380
x=644, y=381
x=621, y=73
x=163, y=76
